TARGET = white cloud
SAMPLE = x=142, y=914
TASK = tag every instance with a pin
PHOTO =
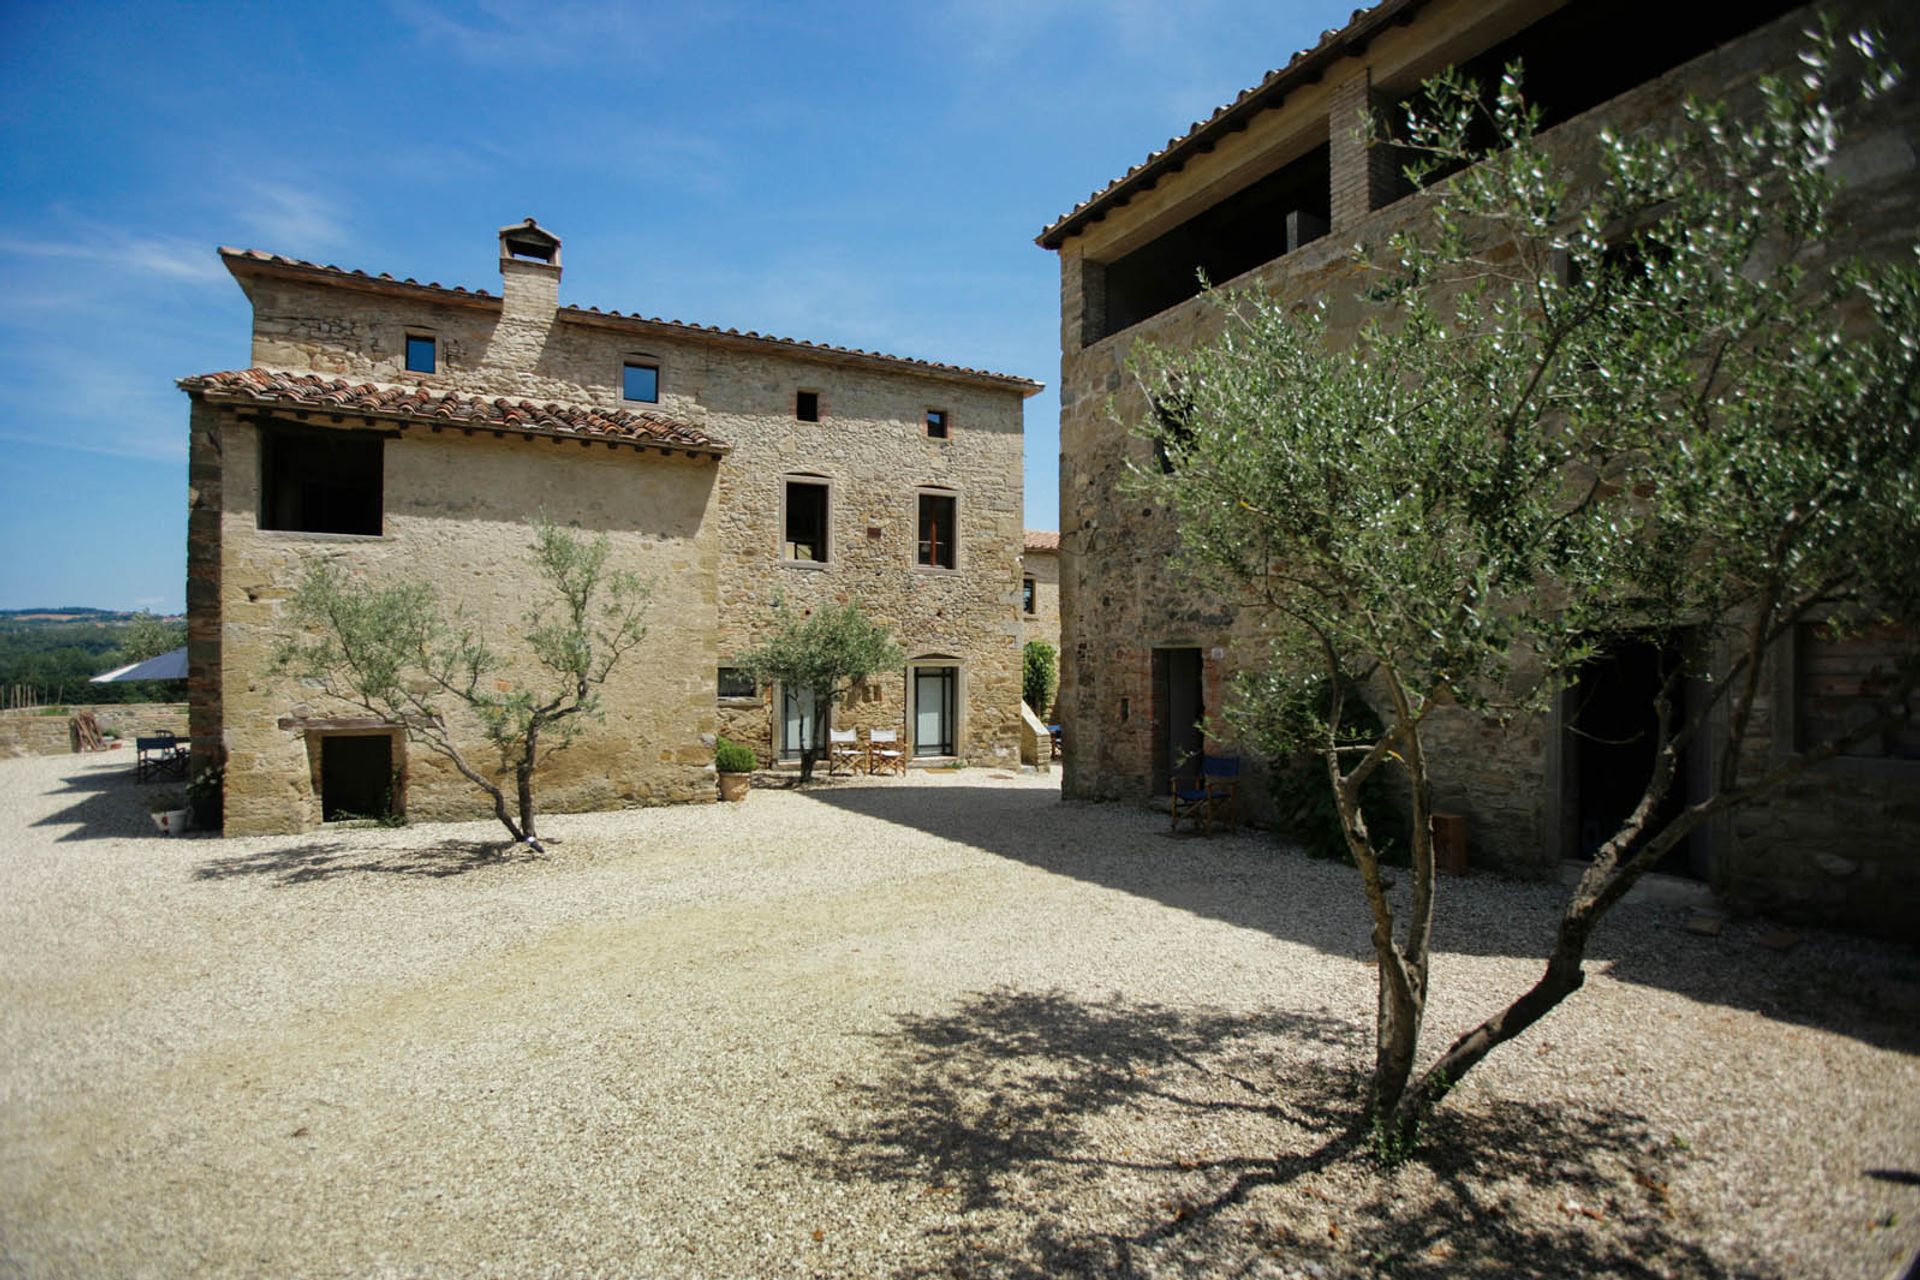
x=569, y=31
x=290, y=220
x=165, y=257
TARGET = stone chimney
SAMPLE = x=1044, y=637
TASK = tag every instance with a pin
x=530, y=296
x=530, y=270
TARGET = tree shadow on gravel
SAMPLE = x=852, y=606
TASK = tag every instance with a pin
x=309, y=863
x=1853, y=986
x=1036, y=1135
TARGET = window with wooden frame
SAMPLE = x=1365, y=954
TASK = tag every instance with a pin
x=939, y=531
x=737, y=682
x=805, y=510
x=1027, y=594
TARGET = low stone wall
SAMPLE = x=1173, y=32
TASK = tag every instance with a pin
x=32, y=733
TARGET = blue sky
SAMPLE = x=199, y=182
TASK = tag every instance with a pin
x=864, y=174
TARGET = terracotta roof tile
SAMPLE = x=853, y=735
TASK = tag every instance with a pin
x=1042, y=540
x=417, y=403
x=750, y=335
x=1202, y=136
x=281, y=260
x=1025, y=385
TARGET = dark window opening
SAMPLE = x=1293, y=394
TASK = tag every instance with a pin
x=937, y=424
x=357, y=777
x=806, y=532
x=937, y=532
x=1171, y=411
x=320, y=481
x=1592, y=51
x=640, y=382
x=1282, y=211
x=806, y=406
x=1611, y=746
x=420, y=353
x=1026, y=595
x=737, y=682
x=1841, y=683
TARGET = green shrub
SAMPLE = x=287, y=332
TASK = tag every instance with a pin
x=1303, y=798
x=1040, y=665
x=733, y=757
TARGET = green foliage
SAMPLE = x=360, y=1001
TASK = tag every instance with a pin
x=58, y=656
x=1039, y=671
x=146, y=636
x=393, y=650
x=830, y=650
x=206, y=794
x=733, y=757
x=1275, y=714
x=1648, y=399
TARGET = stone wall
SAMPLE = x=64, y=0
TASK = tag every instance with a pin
x=455, y=517
x=1844, y=839
x=27, y=732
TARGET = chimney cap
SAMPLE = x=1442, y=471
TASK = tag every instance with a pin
x=530, y=241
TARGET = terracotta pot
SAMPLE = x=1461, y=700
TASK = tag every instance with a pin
x=734, y=786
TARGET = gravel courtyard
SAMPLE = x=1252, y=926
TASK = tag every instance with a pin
x=941, y=1026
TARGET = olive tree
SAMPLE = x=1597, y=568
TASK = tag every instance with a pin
x=1645, y=400
x=397, y=652
x=824, y=653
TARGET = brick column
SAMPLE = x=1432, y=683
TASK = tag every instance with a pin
x=204, y=505
x=1364, y=178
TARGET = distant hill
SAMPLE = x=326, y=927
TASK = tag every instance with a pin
x=76, y=613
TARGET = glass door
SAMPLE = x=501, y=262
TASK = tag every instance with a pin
x=796, y=721
x=934, y=690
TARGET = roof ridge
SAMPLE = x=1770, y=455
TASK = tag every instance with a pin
x=751, y=335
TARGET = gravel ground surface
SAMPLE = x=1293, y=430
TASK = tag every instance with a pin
x=948, y=1025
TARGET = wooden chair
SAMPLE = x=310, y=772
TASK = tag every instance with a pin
x=883, y=752
x=1214, y=794
x=843, y=752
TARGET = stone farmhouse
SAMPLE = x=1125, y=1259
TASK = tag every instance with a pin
x=1040, y=589
x=413, y=429
x=1272, y=191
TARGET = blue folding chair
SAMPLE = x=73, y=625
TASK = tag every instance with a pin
x=1215, y=792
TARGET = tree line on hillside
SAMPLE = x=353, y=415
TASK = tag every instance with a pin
x=55, y=657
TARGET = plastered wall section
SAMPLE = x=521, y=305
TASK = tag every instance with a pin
x=455, y=516
x=1842, y=842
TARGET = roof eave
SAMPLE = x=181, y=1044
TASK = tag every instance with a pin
x=198, y=389
x=242, y=263
x=1350, y=41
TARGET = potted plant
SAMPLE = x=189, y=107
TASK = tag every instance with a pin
x=735, y=763
x=205, y=795
x=168, y=809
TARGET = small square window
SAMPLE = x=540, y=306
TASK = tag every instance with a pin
x=1026, y=595
x=640, y=382
x=806, y=406
x=737, y=682
x=421, y=352
x=936, y=424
